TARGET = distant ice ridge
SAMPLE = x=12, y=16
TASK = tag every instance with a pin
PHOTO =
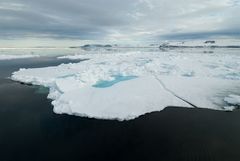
x=219, y=43
x=10, y=57
x=159, y=80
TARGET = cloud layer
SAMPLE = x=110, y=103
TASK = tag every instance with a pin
x=119, y=20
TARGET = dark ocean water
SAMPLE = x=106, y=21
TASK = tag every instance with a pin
x=30, y=131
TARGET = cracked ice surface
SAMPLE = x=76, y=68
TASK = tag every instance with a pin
x=159, y=79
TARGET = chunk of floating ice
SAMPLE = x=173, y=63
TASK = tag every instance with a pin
x=10, y=57
x=102, y=87
x=233, y=99
x=123, y=101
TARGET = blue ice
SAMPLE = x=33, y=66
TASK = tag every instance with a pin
x=117, y=79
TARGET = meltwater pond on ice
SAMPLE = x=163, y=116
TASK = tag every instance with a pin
x=117, y=79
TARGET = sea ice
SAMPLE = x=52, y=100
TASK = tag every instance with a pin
x=10, y=57
x=123, y=101
x=160, y=79
x=233, y=99
x=219, y=43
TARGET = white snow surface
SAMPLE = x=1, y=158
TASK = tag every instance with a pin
x=233, y=99
x=10, y=57
x=162, y=79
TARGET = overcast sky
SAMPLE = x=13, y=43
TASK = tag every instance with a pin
x=118, y=19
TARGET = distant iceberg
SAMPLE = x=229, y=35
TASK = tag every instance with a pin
x=96, y=46
x=89, y=47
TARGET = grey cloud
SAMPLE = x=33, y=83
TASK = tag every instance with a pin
x=114, y=19
x=234, y=33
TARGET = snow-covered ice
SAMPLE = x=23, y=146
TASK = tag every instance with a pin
x=125, y=100
x=233, y=99
x=159, y=79
x=204, y=92
x=10, y=57
x=219, y=43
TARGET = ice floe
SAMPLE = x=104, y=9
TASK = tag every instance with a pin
x=126, y=100
x=10, y=57
x=125, y=85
